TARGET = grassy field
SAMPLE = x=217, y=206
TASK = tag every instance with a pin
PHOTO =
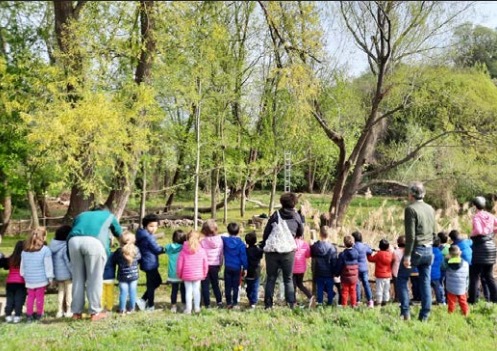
x=331, y=328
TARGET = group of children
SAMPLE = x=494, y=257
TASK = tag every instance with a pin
x=195, y=261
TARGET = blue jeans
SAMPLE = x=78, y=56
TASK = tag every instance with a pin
x=436, y=284
x=324, y=284
x=127, y=289
x=252, y=290
x=231, y=285
x=364, y=279
x=421, y=258
x=212, y=279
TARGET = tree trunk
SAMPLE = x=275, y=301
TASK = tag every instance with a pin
x=273, y=190
x=119, y=196
x=243, y=198
x=43, y=205
x=311, y=176
x=214, y=190
x=6, y=215
x=143, y=200
x=79, y=202
x=197, y=161
x=35, y=222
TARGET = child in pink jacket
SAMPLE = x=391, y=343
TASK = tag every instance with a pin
x=302, y=254
x=192, y=268
x=212, y=243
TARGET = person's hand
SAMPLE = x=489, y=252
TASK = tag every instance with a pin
x=407, y=262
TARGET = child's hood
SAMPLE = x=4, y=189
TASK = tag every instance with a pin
x=350, y=255
x=455, y=263
x=173, y=248
x=212, y=242
x=232, y=242
x=57, y=245
x=321, y=248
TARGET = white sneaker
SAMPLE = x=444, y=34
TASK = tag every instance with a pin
x=197, y=311
x=187, y=311
x=68, y=314
x=140, y=303
x=16, y=319
x=173, y=309
x=59, y=314
x=9, y=319
x=150, y=309
x=370, y=303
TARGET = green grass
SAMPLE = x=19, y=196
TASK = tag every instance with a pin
x=280, y=329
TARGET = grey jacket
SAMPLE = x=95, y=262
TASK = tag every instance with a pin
x=61, y=265
x=456, y=276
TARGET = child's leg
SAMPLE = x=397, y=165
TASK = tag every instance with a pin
x=386, y=290
x=40, y=300
x=182, y=292
x=188, y=296
x=19, y=298
x=236, y=286
x=379, y=290
x=154, y=280
x=30, y=302
x=214, y=278
x=60, y=299
x=123, y=296
x=196, y=295
x=301, y=286
x=250, y=290
x=345, y=293
x=451, y=302
x=205, y=284
x=320, y=281
x=329, y=290
x=68, y=293
x=353, y=294
x=133, y=286
x=10, y=299
x=464, y=304
x=174, y=292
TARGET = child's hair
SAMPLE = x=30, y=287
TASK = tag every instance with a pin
x=454, y=251
x=443, y=237
x=128, y=246
x=62, y=232
x=251, y=238
x=150, y=218
x=454, y=235
x=193, y=238
x=299, y=234
x=14, y=259
x=179, y=236
x=401, y=241
x=348, y=241
x=357, y=236
x=209, y=228
x=324, y=231
x=233, y=228
x=384, y=245
x=36, y=240
x=436, y=242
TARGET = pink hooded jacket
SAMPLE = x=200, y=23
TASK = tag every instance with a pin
x=192, y=265
x=302, y=253
x=213, y=246
x=484, y=223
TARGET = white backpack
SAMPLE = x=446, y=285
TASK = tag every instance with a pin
x=280, y=239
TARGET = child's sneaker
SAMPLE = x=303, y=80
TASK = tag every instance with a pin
x=150, y=309
x=59, y=314
x=197, y=311
x=17, y=319
x=140, y=303
x=187, y=311
x=252, y=307
x=370, y=303
x=68, y=314
x=29, y=319
x=9, y=319
x=174, y=309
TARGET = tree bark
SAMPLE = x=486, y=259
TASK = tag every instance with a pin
x=43, y=205
x=123, y=183
x=273, y=190
x=143, y=200
x=6, y=214
x=35, y=222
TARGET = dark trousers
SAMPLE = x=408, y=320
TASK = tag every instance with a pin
x=16, y=296
x=175, y=287
x=252, y=290
x=154, y=280
x=231, y=285
x=212, y=279
x=274, y=261
x=325, y=284
x=298, y=282
x=485, y=271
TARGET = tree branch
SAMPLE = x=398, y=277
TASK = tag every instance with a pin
x=78, y=7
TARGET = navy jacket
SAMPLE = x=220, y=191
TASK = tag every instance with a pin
x=254, y=256
x=125, y=272
x=149, y=250
x=110, y=268
x=324, y=256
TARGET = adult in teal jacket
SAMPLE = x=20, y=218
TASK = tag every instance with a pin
x=89, y=249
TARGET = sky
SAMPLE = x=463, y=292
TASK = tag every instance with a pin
x=483, y=13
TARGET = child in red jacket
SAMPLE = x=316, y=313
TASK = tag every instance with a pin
x=383, y=271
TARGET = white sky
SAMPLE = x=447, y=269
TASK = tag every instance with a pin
x=483, y=13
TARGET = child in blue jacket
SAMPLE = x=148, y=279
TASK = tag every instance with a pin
x=235, y=263
x=436, y=272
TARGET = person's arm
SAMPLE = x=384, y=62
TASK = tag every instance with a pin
x=65, y=260
x=154, y=247
x=115, y=228
x=48, y=263
x=371, y=258
x=243, y=256
x=180, y=265
x=268, y=228
x=21, y=268
x=410, y=229
x=307, y=250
